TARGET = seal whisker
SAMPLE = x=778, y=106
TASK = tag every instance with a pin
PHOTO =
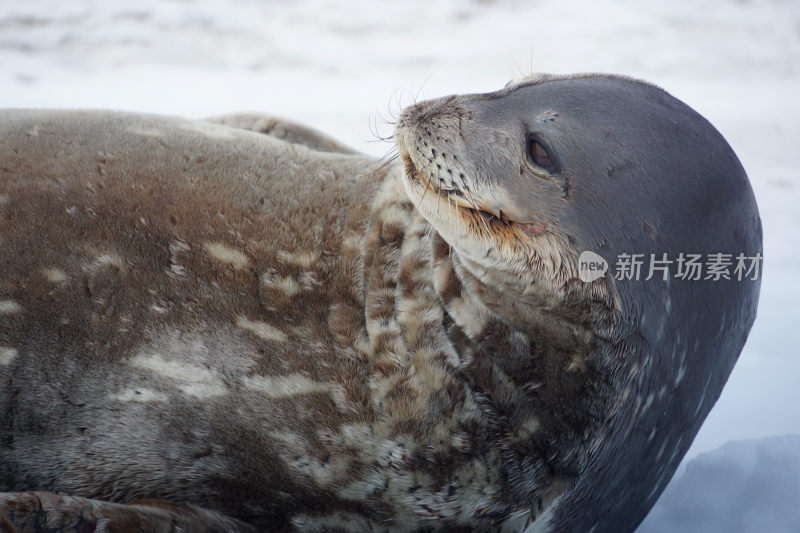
x=394, y=102
x=391, y=154
x=458, y=236
x=449, y=203
x=450, y=207
x=373, y=128
x=516, y=65
x=438, y=195
x=386, y=160
x=474, y=205
x=419, y=91
x=458, y=213
x=428, y=186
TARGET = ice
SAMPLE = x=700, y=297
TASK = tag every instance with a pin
x=743, y=487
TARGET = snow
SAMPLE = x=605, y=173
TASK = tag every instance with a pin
x=348, y=67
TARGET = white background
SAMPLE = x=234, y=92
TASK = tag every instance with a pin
x=348, y=67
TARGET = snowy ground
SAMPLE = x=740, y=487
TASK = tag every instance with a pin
x=346, y=67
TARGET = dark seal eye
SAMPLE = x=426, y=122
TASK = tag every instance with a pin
x=539, y=155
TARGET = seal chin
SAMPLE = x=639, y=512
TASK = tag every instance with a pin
x=493, y=245
x=468, y=207
x=463, y=223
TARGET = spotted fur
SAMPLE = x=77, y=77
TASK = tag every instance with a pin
x=205, y=327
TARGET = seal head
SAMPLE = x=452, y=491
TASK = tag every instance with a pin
x=521, y=181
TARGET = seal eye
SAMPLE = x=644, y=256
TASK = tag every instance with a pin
x=539, y=155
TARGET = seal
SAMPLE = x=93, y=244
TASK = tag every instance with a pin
x=226, y=330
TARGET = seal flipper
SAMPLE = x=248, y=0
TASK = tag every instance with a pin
x=48, y=511
x=286, y=130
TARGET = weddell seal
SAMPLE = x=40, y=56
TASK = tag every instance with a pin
x=212, y=329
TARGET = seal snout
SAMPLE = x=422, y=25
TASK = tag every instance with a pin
x=434, y=142
x=424, y=111
x=428, y=136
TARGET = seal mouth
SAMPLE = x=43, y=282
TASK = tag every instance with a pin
x=465, y=207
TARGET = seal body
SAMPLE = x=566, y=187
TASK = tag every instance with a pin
x=290, y=336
